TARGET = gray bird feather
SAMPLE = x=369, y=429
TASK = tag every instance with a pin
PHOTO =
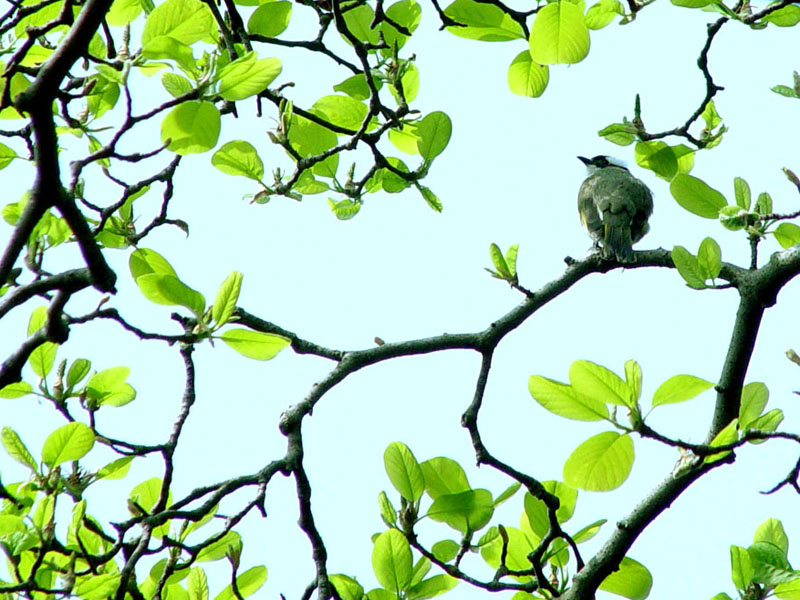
x=614, y=207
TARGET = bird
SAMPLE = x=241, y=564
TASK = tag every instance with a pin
x=614, y=207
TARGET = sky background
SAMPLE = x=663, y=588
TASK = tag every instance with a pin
x=401, y=271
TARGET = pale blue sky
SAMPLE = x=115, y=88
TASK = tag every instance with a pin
x=401, y=271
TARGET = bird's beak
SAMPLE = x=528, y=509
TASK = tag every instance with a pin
x=584, y=160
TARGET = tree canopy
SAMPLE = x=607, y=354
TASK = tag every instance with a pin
x=132, y=378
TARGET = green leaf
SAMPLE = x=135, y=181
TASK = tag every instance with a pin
x=404, y=471
x=69, y=442
x=43, y=357
x=430, y=198
x=728, y=435
x=171, y=291
x=255, y=344
x=443, y=476
x=772, y=531
x=602, y=13
x=391, y=560
x=696, y=196
x=526, y=77
x=116, y=469
x=788, y=16
x=688, y=267
x=755, y=396
x=78, y=370
x=621, y=134
x=176, y=85
x=764, y=204
x=191, y=127
x=560, y=398
x=248, y=583
x=601, y=463
x=536, y=511
x=247, y=76
x=123, y=12
x=344, y=209
x=97, y=586
x=445, y=550
x=586, y=533
x=631, y=580
x=499, y=261
x=466, y=511
x=405, y=13
x=741, y=567
x=218, y=549
x=741, y=191
x=595, y=381
x=270, y=19
x=108, y=387
x=770, y=564
x=484, y=22
x=511, y=259
x=359, y=21
x=431, y=587
x=633, y=377
x=6, y=156
x=559, y=34
x=658, y=157
x=710, y=116
x=16, y=448
x=388, y=512
x=197, y=584
x=507, y=494
x=785, y=90
x=309, y=138
x=227, y=296
x=347, y=587
x=769, y=421
x=787, y=234
x=144, y=261
x=679, y=388
x=186, y=21
x=342, y=111
x=789, y=590
x=691, y=3
x=170, y=48
x=356, y=86
x=433, y=133
x=239, y=158
x=16, y=390
x=709, y=258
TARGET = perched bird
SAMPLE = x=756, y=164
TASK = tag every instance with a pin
x=614, y=207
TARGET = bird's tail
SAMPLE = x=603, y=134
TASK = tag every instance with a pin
x=617, y=238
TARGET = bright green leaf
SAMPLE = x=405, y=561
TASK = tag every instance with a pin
x=631, y=580
x=709, y=258
x=601, y=463
x=16, y=448
x=239, y=157
x=433, y=133
x=787, y=234
x=170, y=291
x=404, y=471
x=679, y=388
x=227, y=296
x=595, y=381
x=391, y=560
x=696, y=196
x=559, y=34
x=270, y=19
x=559, y=398
x=247, y=76
x=688, y=267
x=69, y=442
x=484, y=22
x=248, y=583
x=191, y=127
x=255, y=344
x=526, y=77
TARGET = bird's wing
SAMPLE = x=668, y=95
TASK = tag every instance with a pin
x=590, y=217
